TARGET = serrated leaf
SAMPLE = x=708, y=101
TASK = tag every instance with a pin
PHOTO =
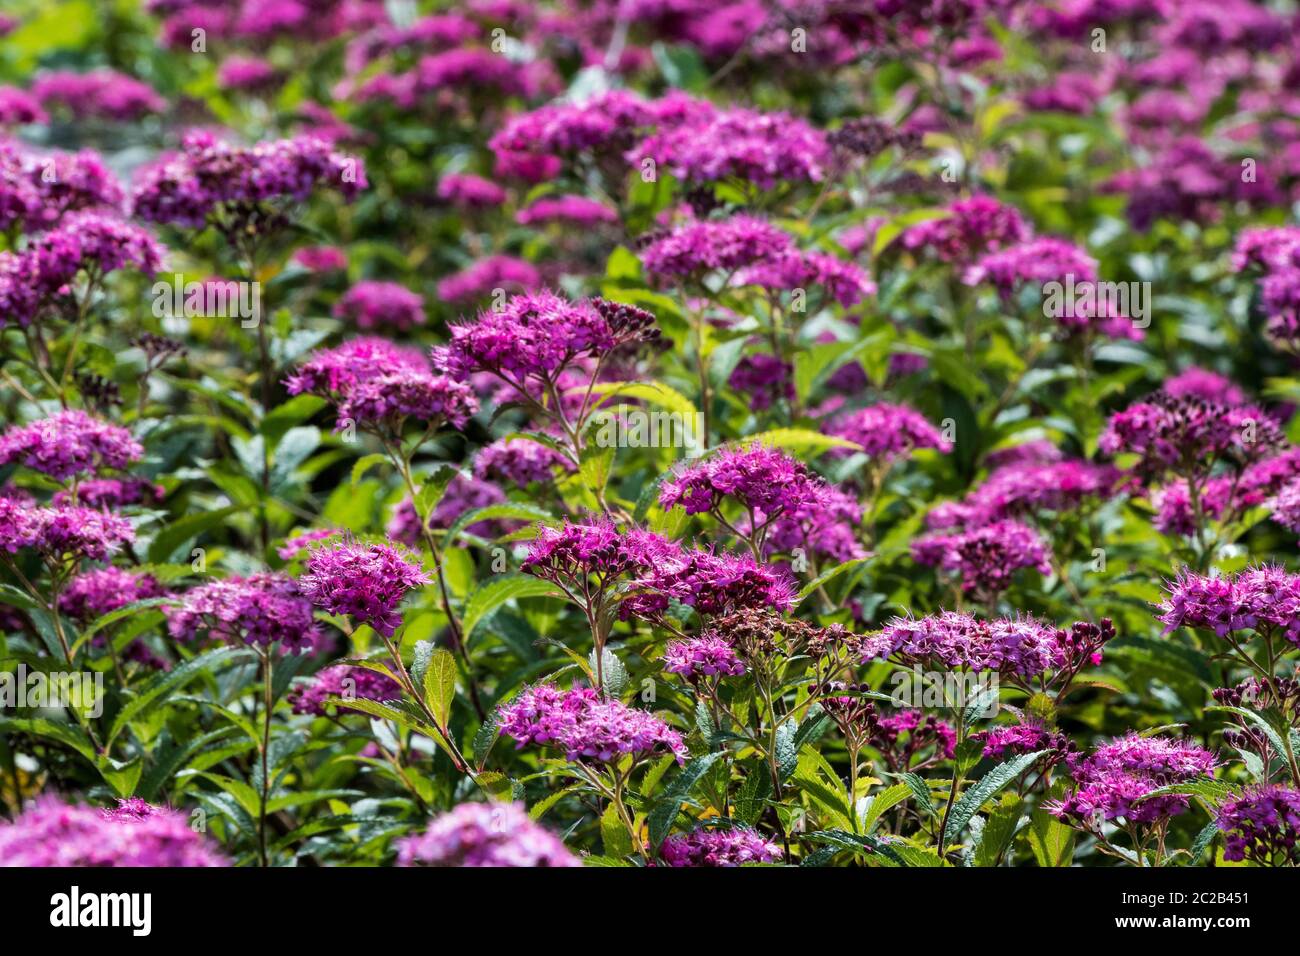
x=660, y=820
x=488, y=599
x=987, y=787
x=440, y=684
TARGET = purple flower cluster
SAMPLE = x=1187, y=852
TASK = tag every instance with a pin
x=210, y=178
x=986, y=557
x=62, y=534
x=1033, y=262
x=343, y=681
x=69, y=443
x=586, y=725
x=739, y=144
x=886, y=432
x=1116, y=780
x=485, y=834
x=1016, y=647
x=386, y=401
x=709, y=656
x=573, y=210
x=94, y=593
x=1265, y=598
x=733, y=847
x=824, y=525
x=972, y=227
x=1262, y=826
x=708, y=245
x=261, y=609
x=1026, y=489
x=536, y=336
x=487, y=274
x=331, y=372
x=762, y=479
x=372, y=304
x=519, y=461
x=1185, y=433
x=51, y=833
x=363, y=581
x=99, y=94
x=467, y=191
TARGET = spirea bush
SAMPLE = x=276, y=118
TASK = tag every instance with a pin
x=717, y=433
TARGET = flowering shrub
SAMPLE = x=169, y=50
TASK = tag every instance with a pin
x=651, y=435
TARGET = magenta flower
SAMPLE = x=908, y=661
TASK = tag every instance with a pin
x=520, y=461
x=734, y=847
x=987, y=557
x=334, y=371
x=703, y=246
x=709, y=656
x=1201, y=383
x=65, y=534
x=363, y=581
x=972, y=227
x=209, y=178
x=758, y=148
x=761, y=479
x=299, y=543
x=466, y=191
x=1115, y=780
x=1035, y=263
x=886, y=432
x=1188, y=434
x=485, y=834
x=100, y=94
x=69, y=443
x=574, y=210
x=371, y=305
x=92, y=594
x=587, y=726
x=343, y=681
x=262, y=609
x=1264, y=599
x=1022, y=648
x=384, y=403
x=51, y=833
x=493, y=272
x=1262, y=826
x=112, y=493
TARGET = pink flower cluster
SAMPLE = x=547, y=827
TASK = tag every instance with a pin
x=51, y=833
x=262, y=609
x=69, y=443
x=718, y=847
x=363, y=581
x=372, y=304
x=709, y=656
x=986, y=557
x=1116, y=779
x=586, y=725
x=485, y=834
x=342, y=681
x=1265, y=598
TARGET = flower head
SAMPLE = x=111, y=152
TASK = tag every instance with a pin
x=51, y=833
x=362, y=581
x=1117, y=778
x=342, y=681
x=710, y=847
x=370, y=305
x=586, y=725
x=485, y=834
x=262, y=609
x=69, y=443
x=1262, y=825
x=708, y=656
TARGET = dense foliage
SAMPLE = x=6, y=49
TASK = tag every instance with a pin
x=797, y=432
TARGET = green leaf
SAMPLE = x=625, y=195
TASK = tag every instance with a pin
x=921, y=790
x=147, y=695
x=1050, y=839
x=112, y=617
x=617, y=841
x=883, y=801
x=660, y=820
x=440, y=684
x=364, y=464
x=988, y=786
x=488, y=599
x=999, y=830
x=802, y=442
x=830, y=575
x=183, y=529
x=69, y=735
x=514, y=509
